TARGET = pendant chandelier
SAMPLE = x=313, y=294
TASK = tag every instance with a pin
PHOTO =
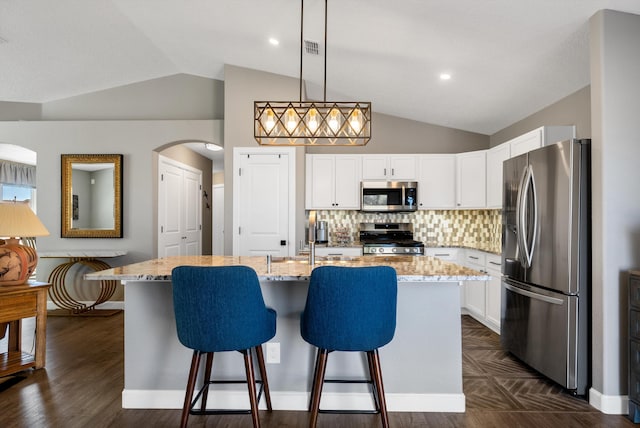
x=298, y=123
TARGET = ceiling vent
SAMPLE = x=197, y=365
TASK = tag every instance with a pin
x=311, y=47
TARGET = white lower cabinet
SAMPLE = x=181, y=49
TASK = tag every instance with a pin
x=494, y=292
x=482, y=298
x=479, y=299
x=475, y=291
x=448, y=254
x=338, y=251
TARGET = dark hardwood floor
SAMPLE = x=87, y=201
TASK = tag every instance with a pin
x=84, y=377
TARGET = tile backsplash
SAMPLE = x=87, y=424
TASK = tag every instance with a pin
x=433, y=227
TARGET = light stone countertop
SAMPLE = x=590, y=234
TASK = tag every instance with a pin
x=408, y=268
x=81, y=253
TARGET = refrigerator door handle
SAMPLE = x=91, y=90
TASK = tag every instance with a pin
x=520, y=219
x=526, y=215
x=532, y=244
x=535, y=296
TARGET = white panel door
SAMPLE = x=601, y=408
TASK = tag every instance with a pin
x=169, y=212
x=218, y=220
x=192, y=213
x=263, y=182
x=179, y=209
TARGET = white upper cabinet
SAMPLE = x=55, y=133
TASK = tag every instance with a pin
x=540, y=137
x=437, y=181
x=333, y=182
x=389, y=167
x=471, y=179
x=495, y=159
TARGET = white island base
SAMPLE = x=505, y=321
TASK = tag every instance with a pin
x=422, y=366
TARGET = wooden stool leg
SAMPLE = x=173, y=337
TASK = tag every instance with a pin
x=321, y=366
x=375, y=358
x=251, y=384
x=207, y=378
x=372, y=375
x=263, y=376
x=313, y=381
x=191, y=383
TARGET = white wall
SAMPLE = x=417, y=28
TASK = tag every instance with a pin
x=615, y=104
x=136, y=140
x=177, y=97
x=243, y=86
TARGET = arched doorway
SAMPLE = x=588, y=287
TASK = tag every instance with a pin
x=194, y=155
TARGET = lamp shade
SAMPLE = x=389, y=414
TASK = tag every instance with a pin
x=18, y=220
x=18, y=262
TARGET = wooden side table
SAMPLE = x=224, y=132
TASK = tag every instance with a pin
x=18, y=302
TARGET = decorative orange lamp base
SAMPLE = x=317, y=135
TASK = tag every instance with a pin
x=17, y=262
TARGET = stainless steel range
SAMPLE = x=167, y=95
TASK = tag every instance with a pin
x=389, y=239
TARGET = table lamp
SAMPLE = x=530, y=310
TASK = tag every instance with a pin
x=17, y=261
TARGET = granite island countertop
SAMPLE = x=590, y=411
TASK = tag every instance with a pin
x=408, y=268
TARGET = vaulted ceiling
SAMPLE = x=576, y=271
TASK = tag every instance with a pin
x=507, y=58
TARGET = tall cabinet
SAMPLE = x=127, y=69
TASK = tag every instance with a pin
x=634, y=346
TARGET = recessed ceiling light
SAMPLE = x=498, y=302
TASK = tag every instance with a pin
x=445, y=76
x=274, y=41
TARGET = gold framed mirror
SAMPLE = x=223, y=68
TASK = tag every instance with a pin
x=91, y=196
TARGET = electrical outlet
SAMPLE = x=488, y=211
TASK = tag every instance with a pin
x=273, y=352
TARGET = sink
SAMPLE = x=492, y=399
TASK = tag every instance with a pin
x=296, y=259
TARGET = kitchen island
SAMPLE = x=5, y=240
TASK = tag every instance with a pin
x=422, y=366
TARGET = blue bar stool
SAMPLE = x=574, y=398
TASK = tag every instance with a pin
x=350, y=309
x=221, y=309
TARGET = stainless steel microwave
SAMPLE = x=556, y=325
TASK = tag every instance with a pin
x=389, y=196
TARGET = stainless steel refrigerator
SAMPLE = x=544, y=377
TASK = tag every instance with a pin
x=546, y=262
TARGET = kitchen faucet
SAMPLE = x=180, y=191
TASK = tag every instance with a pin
x=312, y=238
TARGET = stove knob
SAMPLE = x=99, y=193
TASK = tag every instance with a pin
x=372, y=250
x=393, y=250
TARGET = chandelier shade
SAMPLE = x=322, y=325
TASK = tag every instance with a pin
x=312, y=123
x=294, y=123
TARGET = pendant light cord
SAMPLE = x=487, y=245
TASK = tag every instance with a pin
x=325, y=51
x=324, y=96
x=301, y=43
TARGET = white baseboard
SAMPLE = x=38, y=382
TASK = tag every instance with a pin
x=115, y=304
x=283, y=400
x=609, y=404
